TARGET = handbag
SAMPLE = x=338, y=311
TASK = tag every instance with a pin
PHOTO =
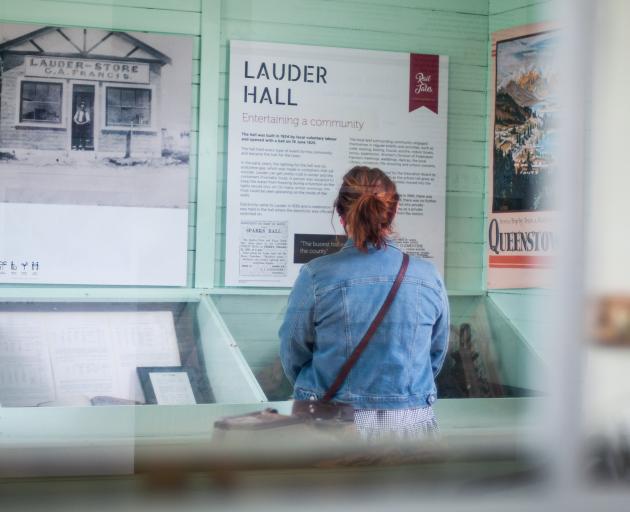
x=321, y=413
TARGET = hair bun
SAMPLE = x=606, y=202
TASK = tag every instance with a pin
x=367, y=200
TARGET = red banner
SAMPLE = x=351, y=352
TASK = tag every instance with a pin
x=424, y=81
x=520, y=261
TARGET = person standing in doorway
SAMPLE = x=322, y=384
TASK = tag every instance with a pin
x=82, y=121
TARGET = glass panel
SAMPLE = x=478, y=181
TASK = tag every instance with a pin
x=143, y=98
x=605, y=389
x=254, y=323
x=135, y=106
x=114, y=115
x=143, y=116
x=128, y=98
x=28, y=91
x=41, y=102
x=486, y=357
x=113, y=97
x=41, y=90
x=47, y=112
x=127, y=115
x=28, y=112
x=88, y=353
x=53, y=94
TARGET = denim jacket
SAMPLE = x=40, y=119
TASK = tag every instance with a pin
x=334, y=300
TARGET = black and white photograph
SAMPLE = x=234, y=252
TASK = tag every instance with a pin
x=91, y=116
x=95, y=138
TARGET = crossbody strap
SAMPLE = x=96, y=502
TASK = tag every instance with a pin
x=356, y=353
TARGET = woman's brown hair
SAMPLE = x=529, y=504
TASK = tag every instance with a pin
x=367, y=201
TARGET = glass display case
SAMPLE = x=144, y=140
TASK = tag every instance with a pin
x=88, y=353
x=487, y=356
x=66, y=403
x=490, y=381
x=74, y=353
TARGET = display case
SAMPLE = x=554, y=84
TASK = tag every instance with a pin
x=490, y=380
x=487, y=357
x=71, y=353
x=70, y=388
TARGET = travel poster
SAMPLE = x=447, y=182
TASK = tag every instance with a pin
x=522, y=157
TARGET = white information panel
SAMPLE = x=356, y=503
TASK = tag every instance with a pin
x=73, y=244
x=302, y=116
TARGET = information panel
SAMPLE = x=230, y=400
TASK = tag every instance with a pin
x=302, y=116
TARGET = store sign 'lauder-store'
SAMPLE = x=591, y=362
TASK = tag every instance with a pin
x=84, y=69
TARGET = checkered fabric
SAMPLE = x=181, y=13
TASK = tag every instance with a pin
x=408, y=424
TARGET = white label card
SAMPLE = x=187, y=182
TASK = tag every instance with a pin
x=172, y=388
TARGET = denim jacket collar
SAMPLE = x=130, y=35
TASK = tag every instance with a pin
x=388, y=241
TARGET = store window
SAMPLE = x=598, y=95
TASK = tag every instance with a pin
x=40, y=102
x=126, y=106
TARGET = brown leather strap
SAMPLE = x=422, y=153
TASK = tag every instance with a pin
x=356, y=353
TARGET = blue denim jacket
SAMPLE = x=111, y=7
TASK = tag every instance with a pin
x=334, y=300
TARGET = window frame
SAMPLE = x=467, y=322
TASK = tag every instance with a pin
x=61, y=124
x=124, y=127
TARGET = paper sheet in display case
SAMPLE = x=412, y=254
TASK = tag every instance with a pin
x=56, y=358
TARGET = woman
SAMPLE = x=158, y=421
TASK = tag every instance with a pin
x=334, y=300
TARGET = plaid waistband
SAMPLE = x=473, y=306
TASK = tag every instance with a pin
x=397, y=423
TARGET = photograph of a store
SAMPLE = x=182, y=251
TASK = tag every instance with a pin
x=79, y=105
x=70, y=89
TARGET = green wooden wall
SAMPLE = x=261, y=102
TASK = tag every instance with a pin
x=512, y=13
x=457, y=28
